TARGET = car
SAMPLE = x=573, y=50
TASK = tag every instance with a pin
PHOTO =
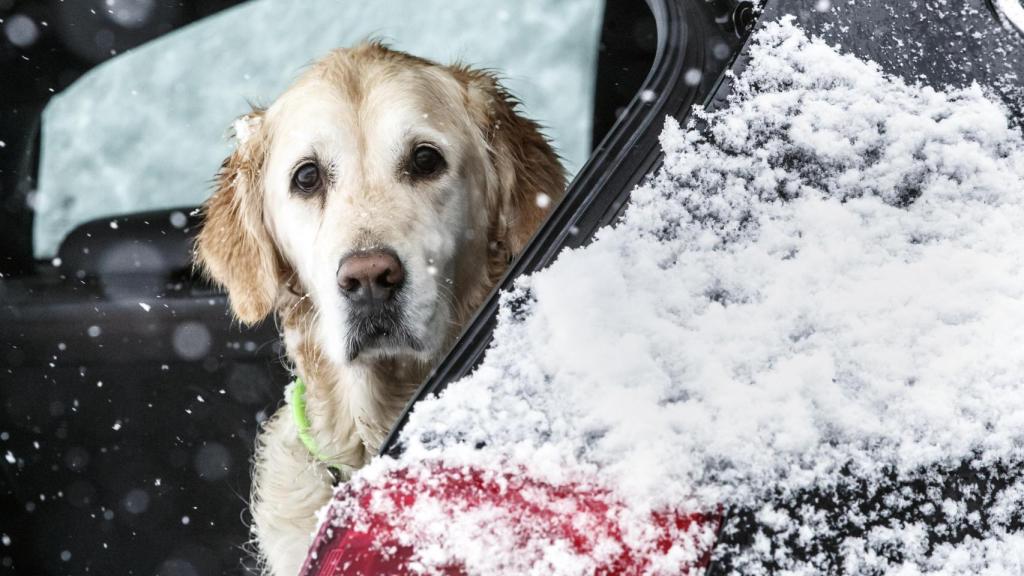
x=107, y=442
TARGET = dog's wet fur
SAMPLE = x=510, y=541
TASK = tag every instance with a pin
x=359, y=116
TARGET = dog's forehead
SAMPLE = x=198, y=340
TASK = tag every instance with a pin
x=378, y=103
x=308, y=111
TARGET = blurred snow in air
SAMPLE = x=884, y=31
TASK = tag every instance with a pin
x=177, y=567
x=213, y=462
x=130, y=13
x=136, y=501
x=191, y=340
x=76, y=459
x=721, y=50
x=21, y=30
x=147, y=130
x=178, y=219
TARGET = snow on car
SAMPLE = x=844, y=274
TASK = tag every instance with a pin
x=821, y=291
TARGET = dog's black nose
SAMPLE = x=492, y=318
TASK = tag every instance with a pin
x=370, y=277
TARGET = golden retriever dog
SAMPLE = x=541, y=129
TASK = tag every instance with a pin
x=370, y=209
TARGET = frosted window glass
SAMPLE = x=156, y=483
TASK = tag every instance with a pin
x=147, y=130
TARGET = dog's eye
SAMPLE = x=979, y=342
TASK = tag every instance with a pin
x=307, y=178
x=426, y=160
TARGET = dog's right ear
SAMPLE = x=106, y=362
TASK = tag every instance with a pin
x=233, y=247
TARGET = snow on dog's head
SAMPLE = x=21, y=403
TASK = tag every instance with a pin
x=824, y=288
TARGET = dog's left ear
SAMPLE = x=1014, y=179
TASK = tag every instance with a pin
x=528, y=177
x=233, y=246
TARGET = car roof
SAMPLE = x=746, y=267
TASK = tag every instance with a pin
x=932, y=43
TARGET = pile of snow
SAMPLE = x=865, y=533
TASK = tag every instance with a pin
x=820, y=296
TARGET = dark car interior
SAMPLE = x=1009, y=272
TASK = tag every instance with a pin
x=129, y=397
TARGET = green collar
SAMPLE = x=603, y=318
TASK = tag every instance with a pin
x=298, y=404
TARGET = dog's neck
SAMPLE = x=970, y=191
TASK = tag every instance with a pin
x=350, y=410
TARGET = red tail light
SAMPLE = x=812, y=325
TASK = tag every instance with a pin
x=359, y=538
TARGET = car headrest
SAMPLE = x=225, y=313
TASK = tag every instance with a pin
x=157, y=243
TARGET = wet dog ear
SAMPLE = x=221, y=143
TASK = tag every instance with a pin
x=233, y=247
x=528, y=176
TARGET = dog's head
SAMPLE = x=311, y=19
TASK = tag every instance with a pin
x=388, y=190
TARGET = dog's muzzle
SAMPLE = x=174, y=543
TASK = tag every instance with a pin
x=371, y=282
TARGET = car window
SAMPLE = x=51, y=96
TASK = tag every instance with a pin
x=148, y=129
